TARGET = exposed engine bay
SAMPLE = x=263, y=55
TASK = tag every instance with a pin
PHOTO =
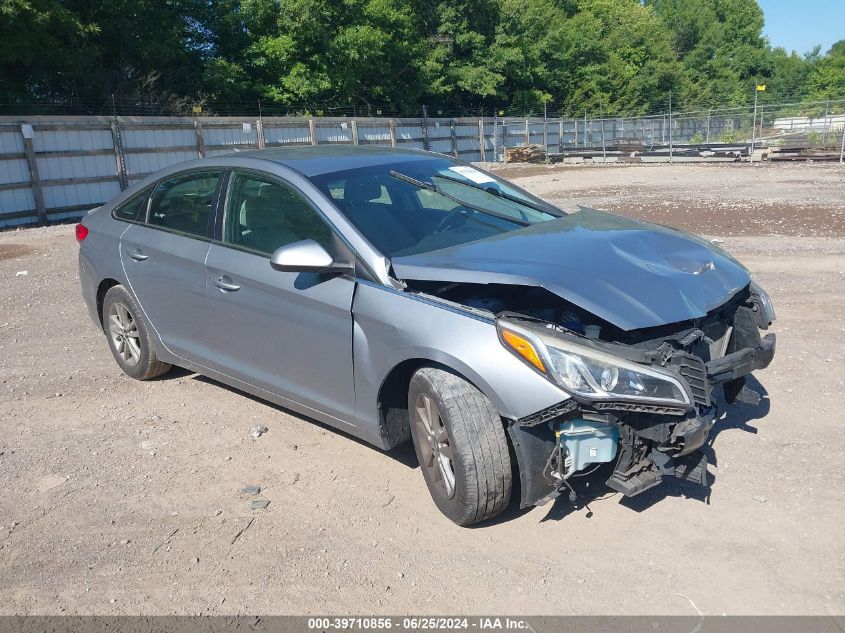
x=643, y=397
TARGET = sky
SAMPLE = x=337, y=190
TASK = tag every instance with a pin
x=802, y=25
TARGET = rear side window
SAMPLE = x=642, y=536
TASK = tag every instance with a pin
x=133, y=209
x=183, y=203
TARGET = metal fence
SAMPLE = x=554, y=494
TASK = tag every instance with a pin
x=54, y=168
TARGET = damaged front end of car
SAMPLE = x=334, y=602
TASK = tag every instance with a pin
x=635, y=323
x=642, y=398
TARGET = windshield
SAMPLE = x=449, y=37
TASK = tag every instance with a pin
x=419, y=206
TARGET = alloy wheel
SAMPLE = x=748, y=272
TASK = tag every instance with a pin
x=434, y=447
x=123, y=331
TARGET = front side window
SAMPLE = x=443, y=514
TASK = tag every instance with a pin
x=184, y=203
x=133, y=209
x=263, y=214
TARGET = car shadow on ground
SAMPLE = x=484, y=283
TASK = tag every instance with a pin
x=590, y=489
x=404, y=453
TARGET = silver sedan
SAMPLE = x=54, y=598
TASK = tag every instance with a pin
x=403, y=295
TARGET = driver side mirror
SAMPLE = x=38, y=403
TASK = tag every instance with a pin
x=306, y=256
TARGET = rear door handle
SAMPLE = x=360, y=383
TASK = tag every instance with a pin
x=225, y=284
x=137, y=255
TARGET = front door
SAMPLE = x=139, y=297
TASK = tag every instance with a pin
x=287, y=333
x=164, y=262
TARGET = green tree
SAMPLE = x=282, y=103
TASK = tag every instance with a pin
x=827, y=78
x=620, y=56
x=42, y=44
x=351, y=53
x=721, y=45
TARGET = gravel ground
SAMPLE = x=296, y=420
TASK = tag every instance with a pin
x=719, y=199
x=120, y=497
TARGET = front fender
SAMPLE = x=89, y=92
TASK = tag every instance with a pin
x=391, y=327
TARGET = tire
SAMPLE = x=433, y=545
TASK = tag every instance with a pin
x=129, y=337
x=456, y=428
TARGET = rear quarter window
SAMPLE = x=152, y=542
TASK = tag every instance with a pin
x=134, y=209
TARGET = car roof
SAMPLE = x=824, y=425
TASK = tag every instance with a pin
x=315, y=160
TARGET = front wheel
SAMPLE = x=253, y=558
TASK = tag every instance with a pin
x=461, y=446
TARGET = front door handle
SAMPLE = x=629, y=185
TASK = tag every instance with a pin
x=225, y=284
x=137, y=255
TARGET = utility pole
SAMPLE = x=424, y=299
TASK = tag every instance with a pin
x=585, y=127
x=708, y=125
x=426, y=145
x=603, y=146
x=560, y=132
x=824, y=129
x=545, y=130
x=842, y=146
x=670, y=126
x=757, y=88
x=495, y=134
x=754, y=125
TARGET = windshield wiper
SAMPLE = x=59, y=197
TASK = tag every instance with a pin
x=503, y=195
x=432, y=187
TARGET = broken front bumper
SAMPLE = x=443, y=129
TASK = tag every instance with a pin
x=652, y=445
x=741, y=362
x=650, y=448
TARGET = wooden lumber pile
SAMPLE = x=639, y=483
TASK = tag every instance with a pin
x=806, y=154
x=525, y=154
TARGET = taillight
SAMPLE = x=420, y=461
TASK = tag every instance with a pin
x=81, y=232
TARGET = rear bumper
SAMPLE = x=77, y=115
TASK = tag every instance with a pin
x=88, y=285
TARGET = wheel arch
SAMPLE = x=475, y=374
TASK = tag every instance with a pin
x=104, y=286
x=394, y=418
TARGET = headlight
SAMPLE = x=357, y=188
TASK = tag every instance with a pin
x=766, y=304
x=591, y=373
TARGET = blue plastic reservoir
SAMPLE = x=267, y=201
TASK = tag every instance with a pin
x=588, y=443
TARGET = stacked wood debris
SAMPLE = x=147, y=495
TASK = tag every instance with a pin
x=525, y=154
x=629, y=145
x=808, y=154
x=628, y=152
x=813, y=146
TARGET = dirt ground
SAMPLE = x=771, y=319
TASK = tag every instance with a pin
x=716, y=199
x=120, y=497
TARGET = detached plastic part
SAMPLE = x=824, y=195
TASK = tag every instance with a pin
x=533, y=445
x=648, y=474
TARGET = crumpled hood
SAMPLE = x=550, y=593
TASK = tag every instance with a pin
x=631, y=274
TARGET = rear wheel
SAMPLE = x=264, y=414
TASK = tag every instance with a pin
x=461, y=446
x=129, y=339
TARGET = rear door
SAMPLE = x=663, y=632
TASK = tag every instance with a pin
x=164, y=262
x=287, y=333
